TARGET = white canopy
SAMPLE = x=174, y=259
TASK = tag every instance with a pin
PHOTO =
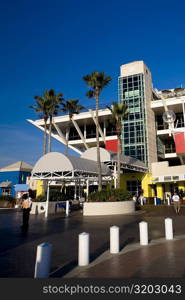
x=58, y=165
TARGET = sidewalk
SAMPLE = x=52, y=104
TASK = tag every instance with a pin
x=159, y=259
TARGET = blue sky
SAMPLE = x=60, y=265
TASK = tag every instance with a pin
x=53, y=43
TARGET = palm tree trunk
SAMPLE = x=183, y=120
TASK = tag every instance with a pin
x=49, y=139
x=98, y=146
x=119, y=163
x=45, y=136
x=119, y=152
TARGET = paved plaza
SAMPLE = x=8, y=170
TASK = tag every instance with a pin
x=159, y=259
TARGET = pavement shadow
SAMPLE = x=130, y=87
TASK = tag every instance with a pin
x=64, y=269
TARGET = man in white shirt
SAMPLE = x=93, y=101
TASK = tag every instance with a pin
x=176, y=201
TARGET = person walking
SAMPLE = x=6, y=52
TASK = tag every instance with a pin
x=26, y=207
x=176, y=201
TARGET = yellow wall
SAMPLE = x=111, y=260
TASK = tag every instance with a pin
x=160, y=191
x=181, y=185
x=145, y=182
x=40, y=188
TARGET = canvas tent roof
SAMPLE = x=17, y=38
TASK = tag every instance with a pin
x=5, y=184
x=18, y=166
x=55, y=162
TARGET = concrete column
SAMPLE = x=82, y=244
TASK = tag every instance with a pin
x=168, y=229
x=114, y=239
x=83, y=249
x=143, y=231
x=43, y=259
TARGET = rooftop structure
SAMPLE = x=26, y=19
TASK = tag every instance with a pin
x=146, y=138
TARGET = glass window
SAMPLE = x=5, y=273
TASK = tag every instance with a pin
x=135, y=78
x=134, y=186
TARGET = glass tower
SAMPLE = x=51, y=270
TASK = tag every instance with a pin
x=131, y=92
x=135, y=90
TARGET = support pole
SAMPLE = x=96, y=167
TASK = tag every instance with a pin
x=43, y=259
x=114, y=239
x=75, y=191
x=83, y=249
x=115, y=176
x=87, y=183
x=168, y=229
x=67, y=208
x=47, y=202
x=143, y=231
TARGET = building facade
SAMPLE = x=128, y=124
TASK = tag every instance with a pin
x=13, y=174
x=145, y=135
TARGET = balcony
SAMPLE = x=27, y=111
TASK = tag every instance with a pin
x=166, y=94
x=165, y=126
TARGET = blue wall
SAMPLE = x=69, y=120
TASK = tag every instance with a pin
x=16, y=177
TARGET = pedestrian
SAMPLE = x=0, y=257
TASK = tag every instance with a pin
x=26, y=207
x=134, y=198
x=176, y=201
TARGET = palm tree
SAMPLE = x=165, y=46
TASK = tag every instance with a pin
x=71, y=107
x=97, y=81
x=55, y=101
x=42, y=108
x=119, y=112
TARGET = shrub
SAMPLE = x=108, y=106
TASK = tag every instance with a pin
x=7, y=198
x=110, y=195
x=40, y=198
x=54, y=195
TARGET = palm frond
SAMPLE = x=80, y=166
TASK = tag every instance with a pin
x=90, y=94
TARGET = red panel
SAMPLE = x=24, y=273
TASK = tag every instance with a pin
x=180, y=142
x=112, y=145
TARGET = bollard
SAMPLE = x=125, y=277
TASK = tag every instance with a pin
x=43, y=259
x=83, y=249
x=155, y=201
x=168, y=199
x=67, y=208
x=143, y=231
x=114, y=239
x=168, y=229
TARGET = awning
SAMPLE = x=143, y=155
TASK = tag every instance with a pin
x=21, y=187
x=5, y=184
x=57, y=165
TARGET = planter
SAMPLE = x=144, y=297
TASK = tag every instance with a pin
x=108, y=208
x=40, y=207
x=7, y=204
